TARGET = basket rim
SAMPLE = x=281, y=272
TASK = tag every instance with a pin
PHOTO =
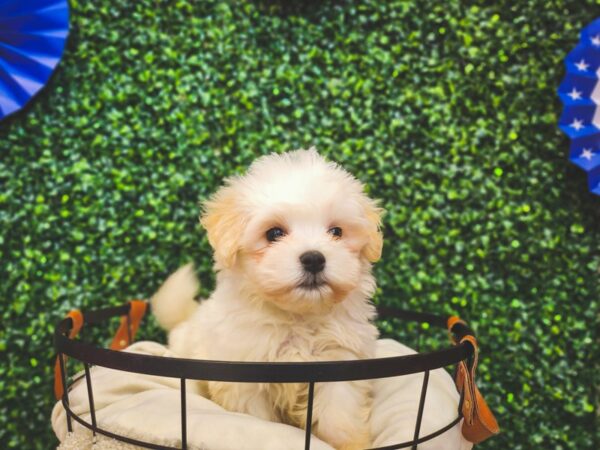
x=266, y=372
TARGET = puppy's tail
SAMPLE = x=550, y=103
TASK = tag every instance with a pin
x=174, y=301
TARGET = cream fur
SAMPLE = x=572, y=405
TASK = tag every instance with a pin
x=259, y=311
x=174, y=301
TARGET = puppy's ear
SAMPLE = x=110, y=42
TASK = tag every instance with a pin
x=373, y=213
x=224, y=223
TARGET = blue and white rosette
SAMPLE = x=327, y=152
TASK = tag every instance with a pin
x=32, y=40
x=580, y=95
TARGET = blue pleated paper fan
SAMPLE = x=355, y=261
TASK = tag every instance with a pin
x=32, y=40
x=580, y=95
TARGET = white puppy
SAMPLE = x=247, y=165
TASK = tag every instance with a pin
x=293, y=239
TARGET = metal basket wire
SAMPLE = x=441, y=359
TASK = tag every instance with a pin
x=258, y=372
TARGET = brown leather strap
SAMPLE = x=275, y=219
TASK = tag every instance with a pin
x=453, y=320
x=129, y=325
x=479, y=422
x=484, y=423
x=77, y=319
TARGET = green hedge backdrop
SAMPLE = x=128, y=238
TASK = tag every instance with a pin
x=446, y=109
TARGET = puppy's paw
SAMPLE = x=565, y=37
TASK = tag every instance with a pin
x=358, y=442
x=354, y=440
x=342, y=413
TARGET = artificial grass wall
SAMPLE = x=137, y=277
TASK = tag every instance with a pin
x=445, y=109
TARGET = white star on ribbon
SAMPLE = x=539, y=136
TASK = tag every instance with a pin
x=587, y=154
x=577, y=124
x=575, y=94
x=582, y=65
x=596, y=40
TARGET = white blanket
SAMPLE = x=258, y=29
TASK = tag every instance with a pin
x=147, y=408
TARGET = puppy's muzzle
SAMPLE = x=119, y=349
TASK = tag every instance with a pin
x=313, y=261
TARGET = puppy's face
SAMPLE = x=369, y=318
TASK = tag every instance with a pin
x=296, y=231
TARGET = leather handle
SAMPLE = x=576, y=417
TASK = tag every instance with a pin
x=77, y=318
x=123, y=337
x=479, y=422
x=129, y=325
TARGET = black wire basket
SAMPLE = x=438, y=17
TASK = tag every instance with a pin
x=256, y=372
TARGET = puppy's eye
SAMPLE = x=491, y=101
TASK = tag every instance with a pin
x=274, y=234
x=336, y=232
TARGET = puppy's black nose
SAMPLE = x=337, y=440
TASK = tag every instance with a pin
x=312, y=261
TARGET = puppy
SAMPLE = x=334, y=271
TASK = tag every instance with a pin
x=294, y=239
